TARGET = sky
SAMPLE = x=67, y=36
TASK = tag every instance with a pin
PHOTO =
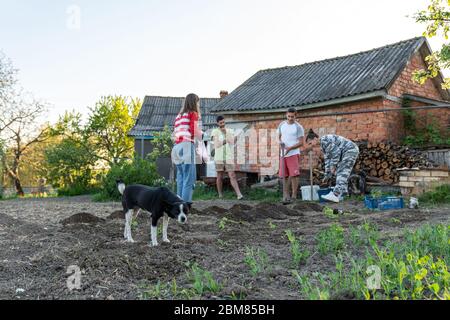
x=70, y=53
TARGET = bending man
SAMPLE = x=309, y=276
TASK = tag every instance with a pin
x=340, y=155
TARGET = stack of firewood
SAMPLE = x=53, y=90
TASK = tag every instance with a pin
x=380, y=161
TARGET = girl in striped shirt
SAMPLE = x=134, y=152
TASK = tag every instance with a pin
x=186, y=129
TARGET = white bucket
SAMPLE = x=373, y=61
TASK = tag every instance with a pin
x=211, y=169
x=306, y=193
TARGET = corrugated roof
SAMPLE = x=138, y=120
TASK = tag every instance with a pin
x=321, y=81
x=157, y=111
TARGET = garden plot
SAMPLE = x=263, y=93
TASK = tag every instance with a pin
x=227, y=250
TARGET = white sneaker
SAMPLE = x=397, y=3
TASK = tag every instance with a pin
x=331, y=197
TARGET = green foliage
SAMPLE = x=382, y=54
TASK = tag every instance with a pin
x=137, y=171
x=429, y=240
x=77, y=190
x=70, y=168
x=334, y=213
x=204, y=192
x=222, y=223
x=85, y=151
x=421, y=135
x=439, y=195
x=272, y=225
x=109, y=123
x=309, y=290
x=331, y=240
x=203, y=281
x=436, y=18
x=409, y=276
x=430, y=134
x=256, y=260
x=165, y=291
x=416, y=268
x=299, y=255
x=162, y=144
x=364, y=234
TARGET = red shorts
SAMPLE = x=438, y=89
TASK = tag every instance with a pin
x=292, y=166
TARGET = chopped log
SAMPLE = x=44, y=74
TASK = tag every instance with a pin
x=381, y=159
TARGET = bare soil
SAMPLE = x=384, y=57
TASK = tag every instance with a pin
x=41, y=238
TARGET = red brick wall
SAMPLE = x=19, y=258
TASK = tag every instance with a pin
x=376, y=126
x=405, y=85
x=365, y=126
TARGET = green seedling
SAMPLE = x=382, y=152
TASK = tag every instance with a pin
x=299, y=255
x=256, y=260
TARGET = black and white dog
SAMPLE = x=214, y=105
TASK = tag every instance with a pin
x=159, y=202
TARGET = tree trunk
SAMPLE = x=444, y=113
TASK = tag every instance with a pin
x=14, y=175
x=18, y=185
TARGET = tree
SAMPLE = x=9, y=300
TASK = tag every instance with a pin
x=162, y=144
x=437, y=19
x=109, y=123
x=7, y=92
x=69, y=165
x=21, y=134
x=7, y=75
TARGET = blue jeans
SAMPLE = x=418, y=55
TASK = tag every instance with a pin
x=184, y=156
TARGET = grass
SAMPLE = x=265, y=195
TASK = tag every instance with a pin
x=331, y=240
x=203, y=281
x=364, y=234
x=429, y=240
x=203, y=192
x=440, y=195
x=226, y=221
x=299, y=255
x=101, y=197
x=414, y=268
x=29, y=196
x=256, y=260
x=165, y=291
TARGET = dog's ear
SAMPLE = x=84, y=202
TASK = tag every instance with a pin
x=189, y=205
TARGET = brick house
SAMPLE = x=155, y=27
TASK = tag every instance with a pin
x=330, y=96
x=156, y=112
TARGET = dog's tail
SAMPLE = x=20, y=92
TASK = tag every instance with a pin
x=120, y=186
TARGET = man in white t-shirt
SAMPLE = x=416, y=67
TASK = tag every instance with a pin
x=291, y=135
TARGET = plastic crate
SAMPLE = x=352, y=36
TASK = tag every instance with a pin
x=384, y=203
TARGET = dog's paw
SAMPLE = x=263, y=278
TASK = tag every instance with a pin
x=166, y=240
x=153, y=244
x=130, y=241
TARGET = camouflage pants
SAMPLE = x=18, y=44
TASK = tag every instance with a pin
x=344, y=169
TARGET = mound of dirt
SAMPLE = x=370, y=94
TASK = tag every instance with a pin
x=277, y=209
x=119, y=214
x=214, y=209
x=82, y=217
x=261, y=211
x=195, y=211
x=240, y=207
x=308, y=206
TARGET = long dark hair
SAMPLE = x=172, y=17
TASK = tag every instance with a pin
x=190, y=103
x=311, y=135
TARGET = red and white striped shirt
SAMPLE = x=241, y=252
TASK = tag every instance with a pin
x=186, y=127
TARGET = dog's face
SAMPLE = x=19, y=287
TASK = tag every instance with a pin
x=179, y=211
